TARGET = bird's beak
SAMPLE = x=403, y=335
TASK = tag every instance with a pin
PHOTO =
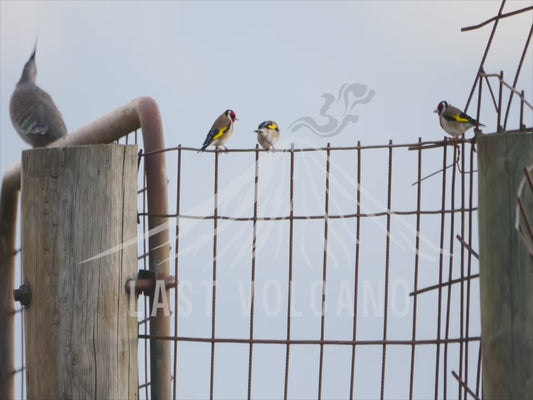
x=257, y=131
x=436, y=111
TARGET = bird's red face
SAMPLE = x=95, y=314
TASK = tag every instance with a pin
x=231, y=114
x=441, y=107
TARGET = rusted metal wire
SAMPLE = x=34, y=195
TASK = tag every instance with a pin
x=482, y=76
x=462, y=359
x=498, y=17
x=324, y=273
x=464, y=386
x=252, y=274
x=290, y=280
x=478, y=374
x=467, y=247
x=426, y=144
x=312, y=217
x=318, y=342
x=439, y=286
x=450, y=273
x=214, y=292
x=417, y=265
x=520, y=94
x=485, y=54
x=517, y=74
x=146, y=325
x=470, y=188
x=356, y=267
x=387, y=269
x=176, y=272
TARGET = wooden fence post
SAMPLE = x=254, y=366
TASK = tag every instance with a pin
x=506, y=268
x=81, y=339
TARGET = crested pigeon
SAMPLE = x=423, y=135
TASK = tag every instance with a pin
x=33, y=112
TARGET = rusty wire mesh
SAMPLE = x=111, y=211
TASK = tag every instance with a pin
x=348, y=219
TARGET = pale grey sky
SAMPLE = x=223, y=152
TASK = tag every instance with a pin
x=265, y=60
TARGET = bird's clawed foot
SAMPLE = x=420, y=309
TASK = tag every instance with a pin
x=454, y=140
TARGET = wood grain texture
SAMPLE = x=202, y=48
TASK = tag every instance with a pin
x=506, y=269
x=77, y=202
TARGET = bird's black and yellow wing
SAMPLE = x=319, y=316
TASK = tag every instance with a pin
x=215, y=133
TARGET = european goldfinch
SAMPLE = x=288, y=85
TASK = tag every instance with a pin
x=454, y=121
x=221, y=131
x=267, y=134
x=33, y=112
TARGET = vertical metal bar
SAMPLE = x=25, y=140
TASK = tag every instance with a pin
x=462, y=355
x=159, y=244
x=469, y=268
x=478, y=374
x=356, y=273
x=22, y=341
x=441, y=268
x=417, y=260
x=478, y=117
x=324, y=273
x=176, y=274
x=522, y=126
x=387, y=266
x=500, y=97
x=214, y=294
x=252, y=277
x=491, y=92
x=146, y=300
x=9, y=203
x=289, y=296
x=450, y=273
x=515, y=81
x=484, y=56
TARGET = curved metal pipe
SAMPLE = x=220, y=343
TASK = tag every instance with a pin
x=143, y=113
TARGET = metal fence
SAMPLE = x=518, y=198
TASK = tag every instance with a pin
x=332, y=272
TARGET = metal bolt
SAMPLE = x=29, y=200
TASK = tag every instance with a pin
x=23, y=295
x=145, y=282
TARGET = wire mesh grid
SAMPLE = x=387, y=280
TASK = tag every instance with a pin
x=322, y=273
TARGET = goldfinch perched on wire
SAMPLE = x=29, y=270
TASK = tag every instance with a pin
x=221, y=131
x=267, y=134
x=454, y=121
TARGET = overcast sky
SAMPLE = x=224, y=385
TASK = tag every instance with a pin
x=266, y=60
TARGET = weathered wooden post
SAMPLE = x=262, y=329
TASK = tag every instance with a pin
x=78, y=202
x=506, y=268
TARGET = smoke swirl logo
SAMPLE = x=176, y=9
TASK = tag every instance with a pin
x=338, y=110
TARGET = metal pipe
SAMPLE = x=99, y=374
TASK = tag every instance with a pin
x=9, y=200
x=142, y=112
